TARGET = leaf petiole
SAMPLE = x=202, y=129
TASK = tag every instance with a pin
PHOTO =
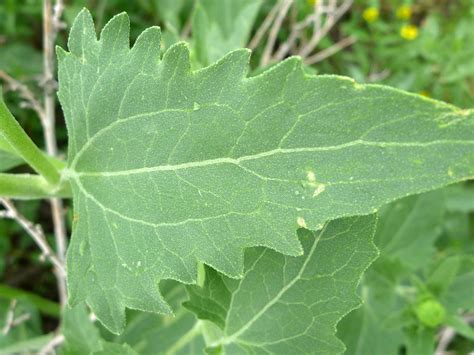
x=18, y=140
x=28, y=187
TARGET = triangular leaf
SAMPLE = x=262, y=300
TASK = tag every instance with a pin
x=169, y=166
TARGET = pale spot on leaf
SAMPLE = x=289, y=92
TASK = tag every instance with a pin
x=301, y=222
x=320, y=189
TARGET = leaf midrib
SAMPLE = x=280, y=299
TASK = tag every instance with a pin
x=233, y=337
x=238, y=161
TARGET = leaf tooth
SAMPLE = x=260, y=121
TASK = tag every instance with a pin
x=146, y=50
x=223, y=76
x=82, y=38
x=234, y=63
x=176, y=61
x=61, y=53
x=115, y=38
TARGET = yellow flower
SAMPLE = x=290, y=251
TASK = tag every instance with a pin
x=409, y=32
x=312, y=2
x=404, y=12
x=370, y=14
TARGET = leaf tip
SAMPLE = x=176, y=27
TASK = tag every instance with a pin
x=148, y=44
x=116, y=33
x=82, y=33
x=61, y=53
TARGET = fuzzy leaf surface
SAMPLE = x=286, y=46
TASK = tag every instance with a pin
x=170, y=166
x=289, y=305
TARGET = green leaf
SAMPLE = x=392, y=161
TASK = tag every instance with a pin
x=150, y=333
x=406, y=232
x=146, y=333
x=169, y=166
x=285, y=304
x=409, y=227
x=81, y=335
x=458, y=295
x=116, y=349
x=8, y=157
x=9, y=161
x=444, y=274
x=20, y=60
x=461, y=326
x=18, y=336
x=43, y=305
x=365, y=330
x=221, y=26
x=27, y=346
x=170, y=11
x=420, y=341
x=461, y=198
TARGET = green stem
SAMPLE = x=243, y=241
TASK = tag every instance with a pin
x=16, y=137
x=28, y=187
x=57, y=163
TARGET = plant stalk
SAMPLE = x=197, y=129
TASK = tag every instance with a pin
x=17, y=139
x=30, y=187
x=51, y=23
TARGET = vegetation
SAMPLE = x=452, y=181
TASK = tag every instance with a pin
x=191, y=195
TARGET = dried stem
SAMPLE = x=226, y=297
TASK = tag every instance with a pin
x=51, y=26
x=25, y=94
x=35, y=232
x=188, y=24
x=318, y=57
x=9, y=318
x=48, y=349
x=447, y=334
x=267, y=53
x=295, y=33
x=320, y=32
x=257, y=38
x=23, y=318
x=378, y=76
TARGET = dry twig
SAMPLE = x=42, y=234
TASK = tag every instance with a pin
x=48, y=349
x=51, y=26
x=264, y=27
x=378, y=76
x=23, y=318
x=295, y=33
x=9, y=317
x=35, y=232
x=333, y=14
x=10, y=320
x=267, y=53
x=188, y=25
x=319, y=33
x=320, y=56
x=25, y=94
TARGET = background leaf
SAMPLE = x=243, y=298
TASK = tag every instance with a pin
x=285, y=304
x=410, y=271
x=221, y=26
